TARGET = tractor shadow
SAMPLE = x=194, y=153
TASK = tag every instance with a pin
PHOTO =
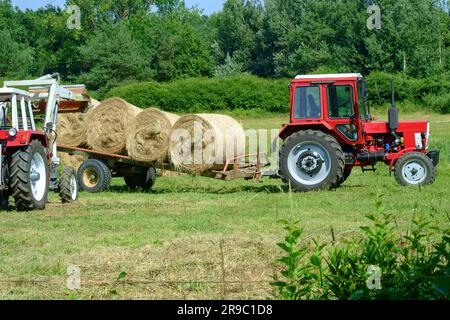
x=271, y=189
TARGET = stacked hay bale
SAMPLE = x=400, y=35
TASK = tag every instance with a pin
x=73, y=161
x=204, y=142
x=71, y=129
x=108, y=125
x=194, y=143
x=149, y=136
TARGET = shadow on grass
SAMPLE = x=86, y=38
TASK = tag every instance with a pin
x=190, y=189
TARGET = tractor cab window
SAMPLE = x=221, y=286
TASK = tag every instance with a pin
x=5, y=117
x=341, y=101
x=307, y=103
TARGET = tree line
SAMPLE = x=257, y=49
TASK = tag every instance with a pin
x=121, y=42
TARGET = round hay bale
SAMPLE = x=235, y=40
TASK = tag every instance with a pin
x=149, y=136
x=204, y=142
x=108, y=124
x=71, y=129
x=94, y=103
x=71, y=161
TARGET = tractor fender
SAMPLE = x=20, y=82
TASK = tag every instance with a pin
x=289, y=129
x=24, y=138
x=393, y=157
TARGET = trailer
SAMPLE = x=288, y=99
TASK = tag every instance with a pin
x=98, y=169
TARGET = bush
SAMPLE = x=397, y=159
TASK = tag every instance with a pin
x=209, y=94
x=429, y=93
x=247, y=92
x=380, y=264
x=439, y=103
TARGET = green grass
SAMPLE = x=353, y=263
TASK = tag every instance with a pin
x=189, y=234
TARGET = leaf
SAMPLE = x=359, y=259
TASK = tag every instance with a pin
x=279, y=284
x=315, y=261
x=122, y=276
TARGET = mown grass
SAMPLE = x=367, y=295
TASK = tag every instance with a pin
x=193, y=237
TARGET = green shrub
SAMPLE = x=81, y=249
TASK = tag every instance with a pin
x=439, y=104
x=429, y=93
x=247, y=92
x=380, y=264
x=209, y=94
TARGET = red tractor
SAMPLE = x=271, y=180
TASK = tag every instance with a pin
x=28, y=156
x=331, y=131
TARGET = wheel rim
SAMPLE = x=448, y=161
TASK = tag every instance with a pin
x=309, y=163
x=38, y=177
x=73, y=188
x=415, y=172
x=90, y=177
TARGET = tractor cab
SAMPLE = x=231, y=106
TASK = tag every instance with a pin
x=15, y=111
x=335, y=101
x=331, y=131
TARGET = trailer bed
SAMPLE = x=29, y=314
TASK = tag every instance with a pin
x=232, y=168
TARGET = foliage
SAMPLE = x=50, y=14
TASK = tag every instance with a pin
x=229, y=68
x=209, y=94
x=414, y=265
x=16, y=59
x=430, y=93
x=247, y=92
x=162, y=40
x=113, y=57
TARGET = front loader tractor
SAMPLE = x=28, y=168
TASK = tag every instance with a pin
x=28, y=157
x=331, y=132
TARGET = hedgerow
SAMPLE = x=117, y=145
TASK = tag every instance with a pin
x=247, y=92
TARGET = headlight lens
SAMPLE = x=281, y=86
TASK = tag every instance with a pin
x=12, y=132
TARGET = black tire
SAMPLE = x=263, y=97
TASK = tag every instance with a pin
x=21, y=180
x=406, y=173
x=68, y=185
x=347, y=174
x=94, y=176
x=142, y=181
x=326, y=142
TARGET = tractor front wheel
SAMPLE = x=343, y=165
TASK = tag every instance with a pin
x=30, y=177
x=68, y=185
x=415, y=168
x=312, y=160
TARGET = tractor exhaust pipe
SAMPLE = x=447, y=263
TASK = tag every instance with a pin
x=393, y=117
x=393, y=111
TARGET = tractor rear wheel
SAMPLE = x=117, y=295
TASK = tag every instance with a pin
x=142, y=181
x=94, y=176
x=30, y=177
x=311, y=160
x=347, y=174
x=68, y=185
x=415, y=168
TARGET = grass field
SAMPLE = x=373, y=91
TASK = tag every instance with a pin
x=194, y=237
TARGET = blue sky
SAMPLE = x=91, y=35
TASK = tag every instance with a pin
x=208, y=5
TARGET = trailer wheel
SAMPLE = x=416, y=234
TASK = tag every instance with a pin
x=94, y=176
x=30, y=177
x=312, y=160
x=68, y=185
x=415, y=168
x=143, y=181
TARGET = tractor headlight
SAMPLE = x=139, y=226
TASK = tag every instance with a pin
x=12, y=132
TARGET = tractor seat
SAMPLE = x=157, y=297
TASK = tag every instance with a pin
x=313, y=107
